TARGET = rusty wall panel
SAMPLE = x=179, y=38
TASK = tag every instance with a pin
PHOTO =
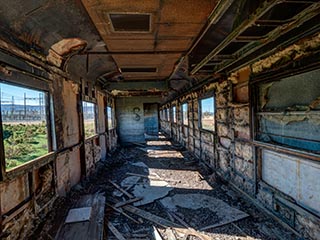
x=89, y=151
x=130, y=118
x=296, y=177
x=13, y=193
x=70, y=113
x=101, y=126
x=63, y=174
x=103, y=145
x=74, y=166
x=68, y=170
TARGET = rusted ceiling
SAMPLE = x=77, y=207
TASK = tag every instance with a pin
x=173, y=27
x=184, y=42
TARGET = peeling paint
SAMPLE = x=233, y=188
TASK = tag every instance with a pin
x=296, y=51
x=63, y=49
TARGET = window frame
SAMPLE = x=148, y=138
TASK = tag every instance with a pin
x=49, y=121
x=200, y=112
x=187, y=114
x=95, y=109
x=174, y=114
x=254, y=102
x=112, y=115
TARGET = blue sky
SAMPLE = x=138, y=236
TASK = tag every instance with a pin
x=207, y=105
x=7, y=91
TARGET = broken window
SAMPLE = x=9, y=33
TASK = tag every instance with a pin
x=174, y=114
x=168, y=114
x=184, y=111
x=207, y=113
x=24, y=124
x=288, y=111
x=89, y=119
x=110, y=118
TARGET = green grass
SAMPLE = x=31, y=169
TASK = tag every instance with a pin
x=89, y=129
x=23, y=143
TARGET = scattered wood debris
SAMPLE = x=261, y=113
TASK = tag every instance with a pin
x=156, y=234
x=116, y=233
x=121, y=190
x=91, y=229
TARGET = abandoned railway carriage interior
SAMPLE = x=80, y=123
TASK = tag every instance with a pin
x=160, y=119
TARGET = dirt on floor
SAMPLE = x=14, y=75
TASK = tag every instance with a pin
x=172, y=185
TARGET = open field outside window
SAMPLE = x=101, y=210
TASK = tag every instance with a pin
x=110, y=117
x=207, y=113
x=184, y=114
x=24, y=124
x=89, y=119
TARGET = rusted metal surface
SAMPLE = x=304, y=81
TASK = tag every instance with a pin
x=169, y=20
x=259, y=41
x=293, y=176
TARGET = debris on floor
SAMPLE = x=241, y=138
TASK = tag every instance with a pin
x=86, y=221
x=79, y=215
x=162, y=197
x=205, y=205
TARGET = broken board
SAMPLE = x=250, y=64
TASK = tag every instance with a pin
x=86, y=230
x=224, y=213
x=78, y=215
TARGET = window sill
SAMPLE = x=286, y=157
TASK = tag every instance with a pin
x=287, y=150
x=207, y=131
x=91, y=138
x=29, y=166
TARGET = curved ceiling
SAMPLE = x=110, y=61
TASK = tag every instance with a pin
x=162, y=47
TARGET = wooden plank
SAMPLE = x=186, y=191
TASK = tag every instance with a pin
x=151, y=217
x=170, y=234
x=121, y=190
x=165, y=223
x=92, y=229
x=219, y=224
x=156, y=234
x=115, y=231
x=123, y=213
x=120, y=204
x=78, y=215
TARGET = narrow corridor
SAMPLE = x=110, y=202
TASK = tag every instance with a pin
x=166, y=181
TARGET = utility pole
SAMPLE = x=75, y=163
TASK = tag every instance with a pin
x=12, y=107
x=40, y=105
x=25, y=106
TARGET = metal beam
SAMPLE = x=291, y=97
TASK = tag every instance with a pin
x=299, y=19
x=214, y=17
x=159, y=86
x=235, y=33
x=131, y=52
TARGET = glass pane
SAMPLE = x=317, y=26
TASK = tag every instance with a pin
x=185, y=114
x=207, y=114
x=174, y=116
x=24, y=124
x=110, y=118
x=89, y=119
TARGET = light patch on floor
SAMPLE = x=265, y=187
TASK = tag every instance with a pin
x=222, y=210
x=150, y=190
x=164, y=154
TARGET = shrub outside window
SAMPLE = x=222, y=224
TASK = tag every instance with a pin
x=207, y=113
x=24, y=124
x=89, y=119
x=184, y=114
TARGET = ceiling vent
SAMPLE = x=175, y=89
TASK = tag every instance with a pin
x=138, y=70
x=130, y=22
